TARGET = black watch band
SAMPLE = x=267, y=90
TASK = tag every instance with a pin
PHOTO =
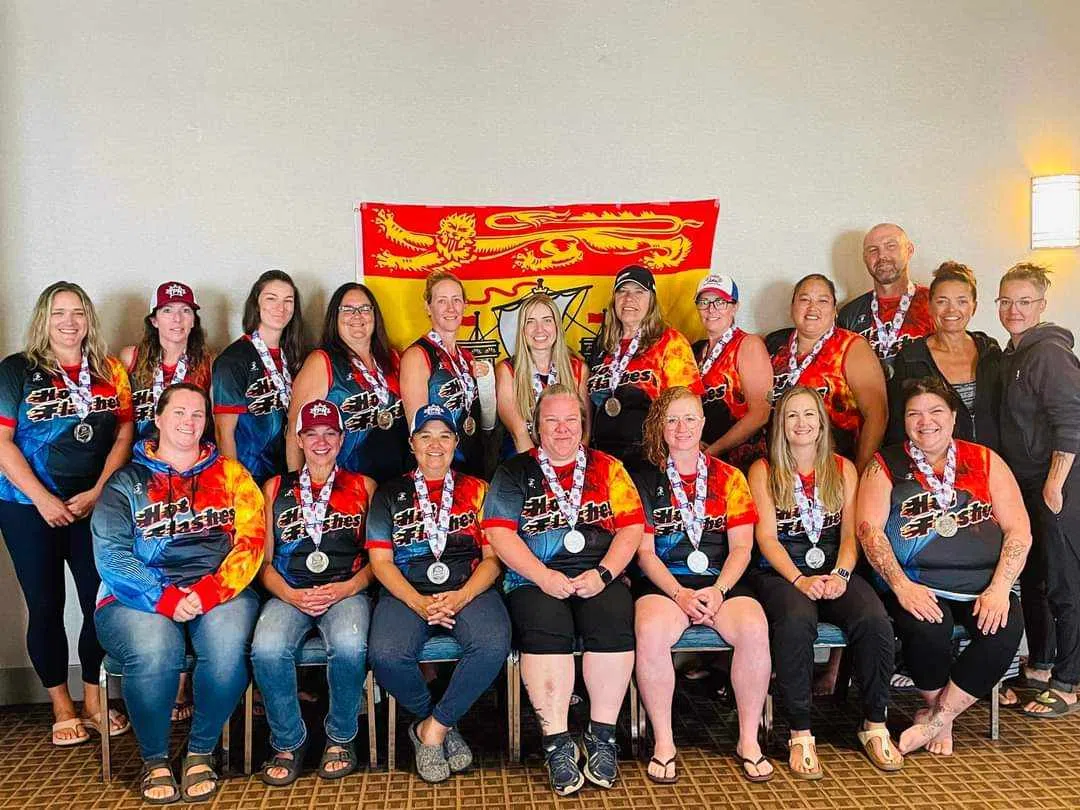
x=605, y=576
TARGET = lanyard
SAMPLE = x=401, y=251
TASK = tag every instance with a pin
x=80, y=394
x=717, y=350
x=377, y=381
x=943, y=488
x=889, y=333
x=461, y=372
x=314, y=513
x=796, y=369
x=282, y=380
x=693, y=517
x=436, y=526
x=179, y=373
x=569, y=505
x=620, y=361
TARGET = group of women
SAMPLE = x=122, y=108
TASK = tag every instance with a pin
x=652, y=486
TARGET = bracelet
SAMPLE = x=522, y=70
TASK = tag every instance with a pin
x=675, y=594
x=800, y=576
x=722, y=588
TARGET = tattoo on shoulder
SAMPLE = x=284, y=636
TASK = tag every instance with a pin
x=872, y=468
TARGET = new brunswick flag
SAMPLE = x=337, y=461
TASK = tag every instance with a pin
x=504, y=254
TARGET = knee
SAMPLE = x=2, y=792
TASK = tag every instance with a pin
x=753, y=627
x=350, y=645
x=269, y=647
x=154, y=654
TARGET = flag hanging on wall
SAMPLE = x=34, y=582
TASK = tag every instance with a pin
x=503, y=254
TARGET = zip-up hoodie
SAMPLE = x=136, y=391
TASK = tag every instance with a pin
x=1040, y=402
x=159, y=533
x=980, y=426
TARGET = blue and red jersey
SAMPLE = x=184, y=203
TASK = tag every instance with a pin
x=444, y=388
x=143, y=400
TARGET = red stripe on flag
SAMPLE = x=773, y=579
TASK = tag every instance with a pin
x=596, y=317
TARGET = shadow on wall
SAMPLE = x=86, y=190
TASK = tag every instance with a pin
x=848, y=270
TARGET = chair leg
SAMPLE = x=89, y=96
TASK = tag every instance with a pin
x=635, y=728
x=226, y=743
x=249, y=722
x=995, y=711
x=391, y=732
x=106, y=741
x=513, y=674
x=372, y=731
x=509, y=707
x=767, y=718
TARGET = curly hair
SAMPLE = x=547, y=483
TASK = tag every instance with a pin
x=653, y=446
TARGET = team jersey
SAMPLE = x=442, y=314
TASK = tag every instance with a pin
x=521, y=500
x=143, y=400
x=368, y=449
x=728, y=504
x=668, y=362
x=36, y=404
x=856, y=316
x=343, y=529
x=445, y=389
x=395, y=522
x=826, y=375
x=577, y=368
x=958, y=567
x=725, y=402
x=159, y=533
x=791, y=533
x=242, y=387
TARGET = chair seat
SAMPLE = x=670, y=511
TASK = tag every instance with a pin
x=698, y=637
x=959, y=633
x=312, y=652
x=440, y=648
x=116, y=669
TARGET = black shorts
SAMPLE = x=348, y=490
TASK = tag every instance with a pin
x=544, y=625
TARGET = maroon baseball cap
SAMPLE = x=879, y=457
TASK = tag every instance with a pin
x=173, y=292
x=319, y=413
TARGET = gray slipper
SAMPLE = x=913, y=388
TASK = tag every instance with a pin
x=431, y=762
x=458, y=754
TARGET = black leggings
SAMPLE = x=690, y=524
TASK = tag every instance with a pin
x=793, y=619
x=928, y=646
x=38, y=552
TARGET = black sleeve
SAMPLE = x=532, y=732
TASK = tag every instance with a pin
x=774, y=341
x=1054, y=374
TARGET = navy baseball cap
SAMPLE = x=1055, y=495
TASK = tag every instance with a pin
x=637, y=274
x=433, y=412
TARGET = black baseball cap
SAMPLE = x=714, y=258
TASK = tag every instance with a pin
x=637, y=274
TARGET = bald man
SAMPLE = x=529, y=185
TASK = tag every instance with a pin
x=896, y=311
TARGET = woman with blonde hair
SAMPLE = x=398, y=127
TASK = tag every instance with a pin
x=805, y=496
x=541, y=358
x=65, y=427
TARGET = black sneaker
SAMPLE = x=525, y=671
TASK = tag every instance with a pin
x=601, y=759
x=562, y=762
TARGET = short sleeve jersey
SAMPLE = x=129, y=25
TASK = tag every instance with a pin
x=857, y=316
x=791, y=532
x=395, y=522
x=521, y=500
x=142, y=396
x=36, y=404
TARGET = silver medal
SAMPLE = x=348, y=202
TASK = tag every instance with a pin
x=317, y=562
x=946, y=525
x=574, y=541
x=698, y=561
x=438, y=573
x=385, y=419
x=612, y=407
x=469, y=426
x=83, y=433
x=815, y=557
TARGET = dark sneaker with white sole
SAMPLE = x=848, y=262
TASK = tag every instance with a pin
x=562, y=763
x=601, y=759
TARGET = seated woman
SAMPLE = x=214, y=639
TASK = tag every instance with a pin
x=317, y=578
x=943, y=523
x=178, y=537
x=436, y=572
x=700, y=532
x=566, y=521
x=805, y=495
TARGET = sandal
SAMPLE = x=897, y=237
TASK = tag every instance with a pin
x=347, y=754
x=810, y=758
x=149, y=782
x=189, y=780
x=74, y=723
x=294, y=765
x=866, y=740
x=182, y=710
x=663, y=780
x=1058, y=707
x=1023, y=681
x=114, y=715
x=749, y=777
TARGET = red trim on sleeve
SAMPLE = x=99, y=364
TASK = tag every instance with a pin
x=629, y=519
x=378, y=544
x=208, y=592
x=748, y=518
x=7, y=422
x=329, y=367
x=884, y=467
x=170, y=598
x=499, y=523
x=237, y=409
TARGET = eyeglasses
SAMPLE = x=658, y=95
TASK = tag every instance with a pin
x=1021, y=303
x=348, y=311
x=705, y=304
x=691, y=420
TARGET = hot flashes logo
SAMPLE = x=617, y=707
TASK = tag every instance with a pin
x=361, y=411
x=159, y=519
x=262, y=397
x=541, y=513
x=452, y=395
x=143, y=402
x=601, y=381
x=667, y=519
x=788, y=522
x=716, y=393
x=920, y=510
x=780, y=385
x=409, y=525
x=291, y=523
x=55, y=403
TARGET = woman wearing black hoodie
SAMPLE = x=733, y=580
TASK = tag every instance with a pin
x=967, y=362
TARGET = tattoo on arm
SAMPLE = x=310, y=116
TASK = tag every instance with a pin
x=879, y=552
x=1060, y=464
x=872, y=468
x=1011, y=563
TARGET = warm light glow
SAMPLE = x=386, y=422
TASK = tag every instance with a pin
x=1055, y=211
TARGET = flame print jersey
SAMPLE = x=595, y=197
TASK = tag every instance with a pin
x=143, y=400
x=791, y=533
x=856, y=316
x=725, y=403
x=395, y=523
x=826, y=374
x=520, y=500
x=242, y=387
x=368, y=449
x=343, y=529
x=445, y=389
x=728, y=504
x=159, y=533
x=668, y=362
x=958, y=567
x=36, y=404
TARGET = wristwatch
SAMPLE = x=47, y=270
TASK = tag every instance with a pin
x=605, y=575
x=843, y=573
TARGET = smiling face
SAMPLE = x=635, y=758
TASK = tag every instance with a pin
x=355, y=326
x=447, y=306
x=434, y=445
x=802, y=422
x=181, y=422
x=1020, y=306
x=928, y=423
x=321, y=444
x=631, y=302
x=68, y=322
x=951, y=306
x=174, y=323
x=683, y=422
x=886, y=253
x=540, y=327
x=560, y=428
x=277, y=299
x=717, y=314
x=813, y=309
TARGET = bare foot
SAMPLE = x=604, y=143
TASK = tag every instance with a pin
x=942, y=744
x=203, y=786
x=160, y=791
x=803, y=756
x=1036, y=707
x=337, y=764
x=276, y=771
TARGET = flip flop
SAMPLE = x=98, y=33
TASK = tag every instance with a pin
x=743, y=762
x=1022, y=681
x=866, y=739
x=1058, y=707
x=64, y=725
x=809, y=753
x=92, y=724
x=663, y=780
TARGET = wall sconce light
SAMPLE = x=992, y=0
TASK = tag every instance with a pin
x=1055, y=211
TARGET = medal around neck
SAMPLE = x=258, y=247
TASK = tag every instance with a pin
x=612, y=406
x=946, y=525
x=697, y=561
x=385, y=419
x=815, y=557
x=317, y=562
x=438, y=573
x=84, y=433
x=574, y=541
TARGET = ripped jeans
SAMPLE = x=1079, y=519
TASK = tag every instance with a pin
x=279, y=634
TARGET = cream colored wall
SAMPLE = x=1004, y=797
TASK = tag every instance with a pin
x=207, y=141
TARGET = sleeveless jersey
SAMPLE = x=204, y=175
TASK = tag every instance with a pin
x=792, y=534
x=445, y=389
x=725, y=403
x=143, y=400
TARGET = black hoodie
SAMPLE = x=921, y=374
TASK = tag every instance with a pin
x=979, y=424
x=1040, y=402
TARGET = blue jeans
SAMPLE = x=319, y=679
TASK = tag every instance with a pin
x=279, y=634
x=398, y=635
x=151, y=649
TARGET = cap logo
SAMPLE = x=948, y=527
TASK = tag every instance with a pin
x=318, y=409
x=175, y=289
x=432, y=409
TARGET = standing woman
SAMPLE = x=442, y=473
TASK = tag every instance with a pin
x=837, y=363
x=636, y=357
x=355, y=368
x=700, y=532
x=434, y=369
x=967, y=362
x=172, y=350
x=253, y=377
x=736, y=373
x=805, y=495
x=65, y=427
x=541, y=358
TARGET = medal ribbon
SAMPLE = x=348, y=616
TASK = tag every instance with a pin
x=179, y=373
x=552, y=378
x=436, y=527
x=569, y=505
x=314, y=514
x=943, y=488
x=717, y=350
x=459, y=366
x=80, y=394
x=796, y=369
x=620, y=361
x=282, y=380
x=811, y=514
x=377, y=381
x=693, y=518
x=889, y=333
